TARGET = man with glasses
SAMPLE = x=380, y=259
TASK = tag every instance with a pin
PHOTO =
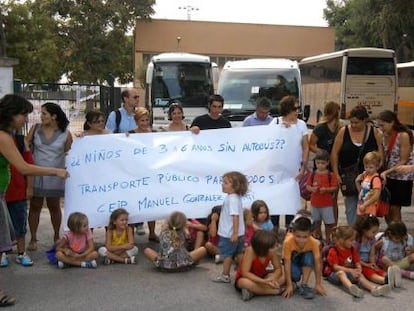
x=122, y=120
x=261, y=116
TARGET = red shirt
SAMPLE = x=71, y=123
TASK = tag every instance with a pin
x=322, y=181
x=16, y=190
x=342, y=257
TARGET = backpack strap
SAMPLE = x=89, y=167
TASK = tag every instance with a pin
x=372, y=181
x=117, y=120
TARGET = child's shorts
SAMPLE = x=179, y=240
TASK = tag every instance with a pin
x=333, y=278
x=298, y=261
x=18, y=215
x=229, y=249
x=369, y=272
x=325, y=214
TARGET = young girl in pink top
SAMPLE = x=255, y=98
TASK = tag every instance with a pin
x=76, y=247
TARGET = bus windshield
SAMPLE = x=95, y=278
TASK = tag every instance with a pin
x=371, y=66
x=188, y=83
x=241, y=88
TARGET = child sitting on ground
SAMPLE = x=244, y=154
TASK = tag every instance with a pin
x=249, y=227
x=172, y=255
x=396, y=248
x=261, y=216
x=213, y=238
x=195, y=231
x=344, y=265
x=366, y=227
x=76, y=247
x=252, y=277
x=301, y=254
x=119, y=240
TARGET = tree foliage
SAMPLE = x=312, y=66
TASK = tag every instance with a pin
x=91, y=39
x=376, y=23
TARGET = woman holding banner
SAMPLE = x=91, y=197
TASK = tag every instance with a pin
x=289, y=111
x=142, y=119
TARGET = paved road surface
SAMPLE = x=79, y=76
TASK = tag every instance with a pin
x=141, y=287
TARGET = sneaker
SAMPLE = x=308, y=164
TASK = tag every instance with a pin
x=61, y=264
x=391, y=277
x=107, y=261
x=246, y=294
x=130, y=260
x=4, y=262
x=222, y=278
x=306, y=292
x=140, y=229
x=381, y=290
x=397, y=278
x=89, y=264
x=355, y=291
x=24, y=260
x=218, y=259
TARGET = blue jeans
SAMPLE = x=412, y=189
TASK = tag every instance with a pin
x=351, y=202
x=298, y=261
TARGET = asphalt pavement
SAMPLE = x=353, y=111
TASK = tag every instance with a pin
x=141, y=287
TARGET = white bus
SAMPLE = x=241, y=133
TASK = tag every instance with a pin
x=178, y=77
x=242, y=82
x=360, y=76
x=406, y=93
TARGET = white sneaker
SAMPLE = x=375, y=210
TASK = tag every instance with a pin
x=391, y=277
x=218, y=259
x=222, y=278
x=381, y=290
x=356, y=291
x=61, y=264
x=24, y=260
x=397, y=276
x=4, y=261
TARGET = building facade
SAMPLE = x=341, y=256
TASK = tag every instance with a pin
x=227, y=41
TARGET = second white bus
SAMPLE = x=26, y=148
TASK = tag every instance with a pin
x=359, y=76
x=406, y=93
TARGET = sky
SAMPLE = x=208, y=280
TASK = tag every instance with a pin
x=275, y=12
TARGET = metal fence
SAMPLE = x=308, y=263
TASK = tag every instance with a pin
x=75, y=100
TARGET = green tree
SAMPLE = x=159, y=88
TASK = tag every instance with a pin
x=95, y=35
x=377, y=23
x=31, y=37
x=86, y=40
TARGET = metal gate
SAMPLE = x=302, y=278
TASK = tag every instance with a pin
x=75, y=100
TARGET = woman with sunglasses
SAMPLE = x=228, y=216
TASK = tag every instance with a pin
x=289, y=108
x=94, y=124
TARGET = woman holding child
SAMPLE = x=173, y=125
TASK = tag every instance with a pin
x=351, y=144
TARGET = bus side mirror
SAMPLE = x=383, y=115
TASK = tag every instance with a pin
x=216, y=72
x=306, y=112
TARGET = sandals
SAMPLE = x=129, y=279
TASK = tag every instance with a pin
x=32, y=246
x=154, y=238
x=6, y=300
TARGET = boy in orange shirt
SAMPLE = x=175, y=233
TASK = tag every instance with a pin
x=301, y=255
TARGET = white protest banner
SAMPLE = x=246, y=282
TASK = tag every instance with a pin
x=154, y=174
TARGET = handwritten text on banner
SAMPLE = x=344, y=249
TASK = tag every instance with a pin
x=153, y=174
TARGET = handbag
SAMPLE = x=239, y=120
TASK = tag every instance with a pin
x=348, y=176
x=350, y=173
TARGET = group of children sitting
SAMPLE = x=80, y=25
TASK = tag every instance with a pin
x=359, y=256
